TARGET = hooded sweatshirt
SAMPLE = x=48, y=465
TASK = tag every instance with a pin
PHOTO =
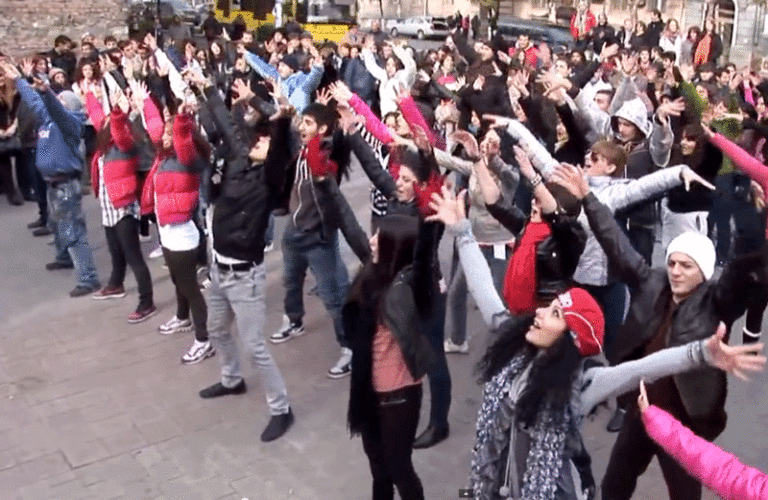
x=59, y=137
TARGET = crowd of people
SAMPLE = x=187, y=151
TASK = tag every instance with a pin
x=554, y=174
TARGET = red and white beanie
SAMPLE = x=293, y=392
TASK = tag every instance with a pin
x=585, y=320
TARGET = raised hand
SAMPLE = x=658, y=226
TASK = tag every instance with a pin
x=324, y=96
x=151, y=42
x=468, y=141
x=642, y=400
x=498, y=121
x=526, y=167
x=670, y=108
x=608, y=51
x=448, y=208
x=341, y=92
x=572, y=179
x=734, y=359
x=244, y=92
x=688, y=177
x=9, y=69
x=27, y=67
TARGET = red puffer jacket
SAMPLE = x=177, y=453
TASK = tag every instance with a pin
x=120, y=162
x=171, y=183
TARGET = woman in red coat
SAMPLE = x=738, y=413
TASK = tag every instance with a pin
x=115, y=184
x=172, y=193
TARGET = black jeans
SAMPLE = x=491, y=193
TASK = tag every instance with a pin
x=438, y=374
x=183, y=269
x=124, y=248
x=630, y=457
x=390, y=447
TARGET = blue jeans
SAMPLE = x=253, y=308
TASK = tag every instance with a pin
x=308, y=250
x=70, y=235
x=270, y=234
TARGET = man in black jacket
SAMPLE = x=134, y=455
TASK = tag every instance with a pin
x=317, y=212
x=669, y=307
x=252, y=181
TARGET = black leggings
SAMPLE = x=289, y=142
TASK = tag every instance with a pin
x=183, y=269
x=389, y=447
x=124, y=248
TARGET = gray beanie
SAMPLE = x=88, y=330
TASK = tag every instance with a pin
x=71, y=101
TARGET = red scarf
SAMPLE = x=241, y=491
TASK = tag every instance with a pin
x=520, y=281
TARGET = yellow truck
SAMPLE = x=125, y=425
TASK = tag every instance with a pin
x=325, y=19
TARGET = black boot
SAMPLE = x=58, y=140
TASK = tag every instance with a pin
x=748, y=337
x=617, y=420
x=431, y=436
x=38, y=223
x=277, y=426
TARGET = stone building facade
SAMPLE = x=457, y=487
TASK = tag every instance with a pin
x=29, y=26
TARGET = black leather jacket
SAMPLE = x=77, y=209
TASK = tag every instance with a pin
x=409, y=309
x=702, y=391
x=556, y=257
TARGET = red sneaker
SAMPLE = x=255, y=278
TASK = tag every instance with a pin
x=110, y=292
x=140, y=315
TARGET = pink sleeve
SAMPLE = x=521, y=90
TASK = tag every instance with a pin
x=415, y=119
x=183, y=143
x=743, y=160
x=718, y=470
x=372, y=122
x=154, y=121
x=95, y=111
x=120, y=129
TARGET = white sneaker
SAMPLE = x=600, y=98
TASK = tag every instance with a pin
x=343, y=366
x=156, y=253
x=269, y=248
x=175, y=325
x=286, y=332
x=198, y=352
x=450, y=347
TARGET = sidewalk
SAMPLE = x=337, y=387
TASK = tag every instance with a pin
x=94, y=408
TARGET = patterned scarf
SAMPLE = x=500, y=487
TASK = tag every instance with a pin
x=702, y=50
x=492, y=442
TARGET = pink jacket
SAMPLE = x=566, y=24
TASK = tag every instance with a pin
x=718, y=470
x=744, y=162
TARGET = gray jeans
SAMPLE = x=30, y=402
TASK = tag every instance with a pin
x=240, y=295
x=456, y=310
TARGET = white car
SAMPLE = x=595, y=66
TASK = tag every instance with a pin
x=421, y=27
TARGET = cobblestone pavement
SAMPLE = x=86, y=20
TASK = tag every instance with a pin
x=94, y=408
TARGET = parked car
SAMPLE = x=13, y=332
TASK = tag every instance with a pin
x=421, y=27
x=554, y=35
x=168, y=9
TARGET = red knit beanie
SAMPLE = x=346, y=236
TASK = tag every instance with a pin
x=585, y=320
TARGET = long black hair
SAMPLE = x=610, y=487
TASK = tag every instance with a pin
x=397, y=235
x=550, y=381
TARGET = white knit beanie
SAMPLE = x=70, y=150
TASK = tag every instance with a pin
x=699, y=248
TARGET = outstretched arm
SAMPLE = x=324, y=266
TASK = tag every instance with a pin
x=715, y=468
x=372, y=122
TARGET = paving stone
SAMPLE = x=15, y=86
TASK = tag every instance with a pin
x=106, y=490
x=80, y=452
x=46, y=466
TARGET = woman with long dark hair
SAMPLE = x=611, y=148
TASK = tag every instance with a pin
x=391, y=304
x=537, y=391
x=10, y=145
x=708, y=46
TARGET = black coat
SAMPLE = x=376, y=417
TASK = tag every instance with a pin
x=556, y=257
x=249, y=192
x=702, y=391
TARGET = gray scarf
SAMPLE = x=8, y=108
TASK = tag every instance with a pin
x=492, y=443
